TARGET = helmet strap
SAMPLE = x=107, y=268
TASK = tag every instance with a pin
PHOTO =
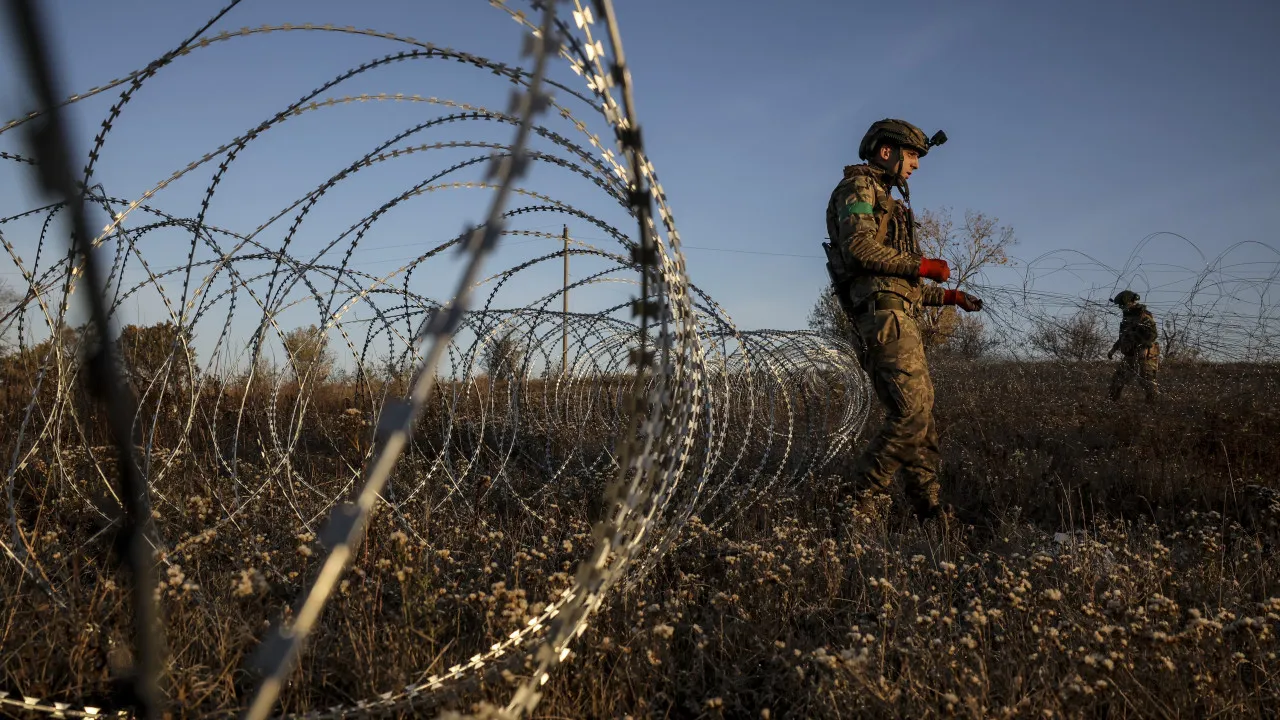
x=900, y=181
x=895, y=158
x=893, y=168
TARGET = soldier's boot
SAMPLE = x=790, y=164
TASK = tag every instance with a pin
x=943, y=515
x=924, y=501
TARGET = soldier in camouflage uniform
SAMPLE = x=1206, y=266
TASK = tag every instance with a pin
x=1138, y=344
x=877, y=272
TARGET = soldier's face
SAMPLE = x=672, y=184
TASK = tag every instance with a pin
x=889, y=158
x=910, y=162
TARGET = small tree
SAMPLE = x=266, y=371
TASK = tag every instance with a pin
x=1178, y=343
x=979, y=243
x=388, y=368
x=147, y=349
x=264, y=369
x=968, y=338
x=19, y=369
x=1077, y=338
x=937, y=325
x=827, y=317
x=308, y=352
x=504, y=357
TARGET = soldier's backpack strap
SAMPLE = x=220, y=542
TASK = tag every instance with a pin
x=884, y=220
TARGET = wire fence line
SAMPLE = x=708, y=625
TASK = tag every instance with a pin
x=458, y=342
x=688, y=400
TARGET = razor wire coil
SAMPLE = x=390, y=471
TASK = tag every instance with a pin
x=646, y=377
x=686, y=415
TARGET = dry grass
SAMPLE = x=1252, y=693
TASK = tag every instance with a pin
x=1157, y=597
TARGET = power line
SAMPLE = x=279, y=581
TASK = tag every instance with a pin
x=600, y=238
x=748, y=252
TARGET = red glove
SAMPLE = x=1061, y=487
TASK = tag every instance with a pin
x=935, y=269
x=967, y=302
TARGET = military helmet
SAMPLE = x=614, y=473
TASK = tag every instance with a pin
x=897, y=132
x=1124, y=297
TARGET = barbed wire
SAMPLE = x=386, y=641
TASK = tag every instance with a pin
x=692, y=406
x=1218, y=310
x=450, y=400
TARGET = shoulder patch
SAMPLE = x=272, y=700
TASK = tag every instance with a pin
x=856, y=208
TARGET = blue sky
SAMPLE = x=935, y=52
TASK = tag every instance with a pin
x=1085, y=126
x=1082, y=125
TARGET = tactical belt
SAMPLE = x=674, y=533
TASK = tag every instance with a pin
x=881, y=301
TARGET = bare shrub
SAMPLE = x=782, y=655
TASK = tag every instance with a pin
x=1180, y=339
x=827, y=318
x=979, y=243
x=307, y=349
x=968, y=338
x=1115, y=568
x=157, y=352
x=504, y=357
x=1079, y=337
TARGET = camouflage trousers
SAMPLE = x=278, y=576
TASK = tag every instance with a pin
x=1141, y=365
x=892, y=355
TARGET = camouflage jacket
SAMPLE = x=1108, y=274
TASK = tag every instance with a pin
x=858, y=206
x=1138, y=330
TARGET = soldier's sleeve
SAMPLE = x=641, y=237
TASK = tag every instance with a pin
x=855, y=208
x=931, y=295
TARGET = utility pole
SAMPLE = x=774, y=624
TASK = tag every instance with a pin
x=564, y=319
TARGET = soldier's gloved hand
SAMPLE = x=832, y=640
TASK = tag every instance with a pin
x=967, y=302
x=935, y=269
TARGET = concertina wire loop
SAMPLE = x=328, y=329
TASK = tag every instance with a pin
x=703, y=408
x=714, y=417
x=700, y=419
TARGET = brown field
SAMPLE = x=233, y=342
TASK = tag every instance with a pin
x=1121, y=563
